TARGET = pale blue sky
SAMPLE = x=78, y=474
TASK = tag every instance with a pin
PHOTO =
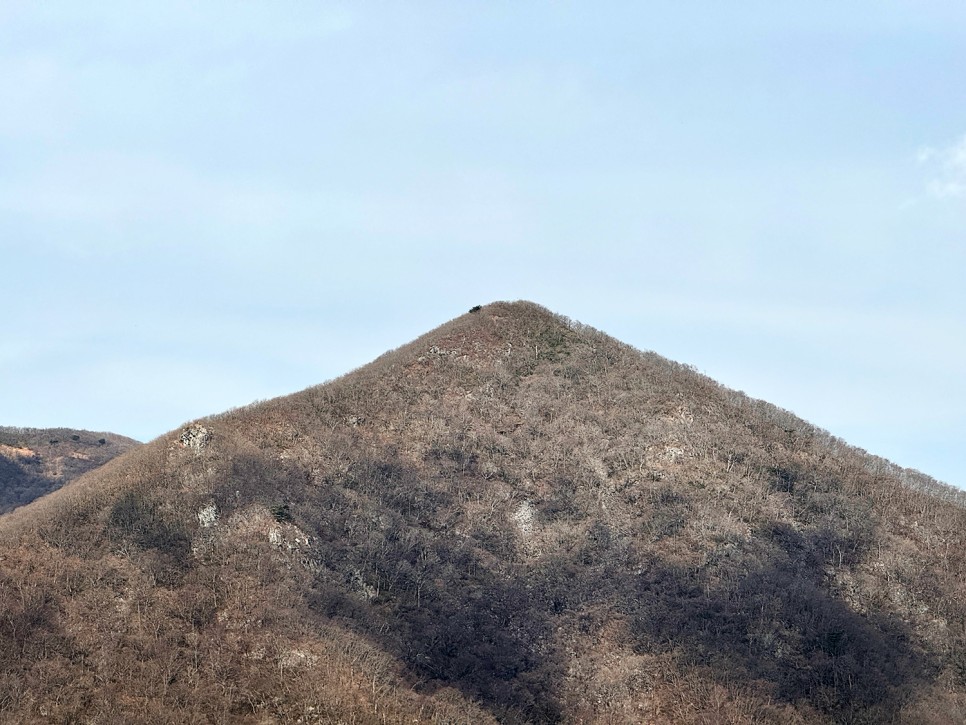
x=203, y=204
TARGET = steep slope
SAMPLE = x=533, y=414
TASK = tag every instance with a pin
x=36, y=461
x=514, y=518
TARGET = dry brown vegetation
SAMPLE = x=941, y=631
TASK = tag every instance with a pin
x=36, y=461
x=514, y=518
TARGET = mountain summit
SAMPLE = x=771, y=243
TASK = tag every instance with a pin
x=514, y=518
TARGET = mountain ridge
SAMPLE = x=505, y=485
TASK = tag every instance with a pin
x=35, y=461
x=513, y=517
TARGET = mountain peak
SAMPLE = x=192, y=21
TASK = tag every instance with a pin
x=512, y=518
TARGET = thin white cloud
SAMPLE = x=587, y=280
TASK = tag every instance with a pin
x=947, y=189
x=947, y=167
x=222, y=24
x=122, y=201
x=13, y=351
x=110, y=187
x=35, y=96
x=955, y=156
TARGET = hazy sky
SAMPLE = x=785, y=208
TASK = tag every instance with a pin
x=203, y=204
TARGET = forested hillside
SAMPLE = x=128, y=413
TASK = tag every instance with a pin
x=515, y=518
x=36, y=461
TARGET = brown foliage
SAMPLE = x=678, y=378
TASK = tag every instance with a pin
x=513, y=518
x=36, y=461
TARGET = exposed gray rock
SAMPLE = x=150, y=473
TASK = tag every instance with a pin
x=195, y=437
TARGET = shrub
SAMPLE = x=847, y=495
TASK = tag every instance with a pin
x=281, y=512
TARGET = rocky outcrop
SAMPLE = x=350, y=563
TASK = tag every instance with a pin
x=196, y=437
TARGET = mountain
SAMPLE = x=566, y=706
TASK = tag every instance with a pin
x=514, y=518
x=36, y=461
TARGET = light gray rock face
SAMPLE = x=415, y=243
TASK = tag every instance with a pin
x=195, y=437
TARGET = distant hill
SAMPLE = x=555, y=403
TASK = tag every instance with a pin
x=514, y=518
x=36, y=461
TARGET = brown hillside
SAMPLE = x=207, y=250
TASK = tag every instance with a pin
x=512, y=519
x=36, y=461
